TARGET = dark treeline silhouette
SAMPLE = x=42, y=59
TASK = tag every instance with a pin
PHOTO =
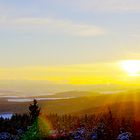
x=38, y=126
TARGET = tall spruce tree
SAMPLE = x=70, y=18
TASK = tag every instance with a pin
x=34, y=110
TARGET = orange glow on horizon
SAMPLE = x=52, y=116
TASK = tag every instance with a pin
x=96, y=73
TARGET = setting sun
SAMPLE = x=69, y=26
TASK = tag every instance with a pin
x=132, y=67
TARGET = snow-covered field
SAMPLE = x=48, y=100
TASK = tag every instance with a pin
x=6, y=115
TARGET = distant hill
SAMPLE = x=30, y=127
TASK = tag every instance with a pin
x=86, y=102
x=72, y=94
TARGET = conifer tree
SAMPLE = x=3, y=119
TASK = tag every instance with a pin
x=34, y=110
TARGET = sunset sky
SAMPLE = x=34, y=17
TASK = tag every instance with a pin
x=70, y=41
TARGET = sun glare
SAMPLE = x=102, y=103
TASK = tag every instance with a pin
x=132, y=67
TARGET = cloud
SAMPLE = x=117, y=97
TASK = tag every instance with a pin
x=135, y=35
x=104, y=5
x=53, y=25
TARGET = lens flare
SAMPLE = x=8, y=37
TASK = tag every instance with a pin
x=40, y=128
x=45, y=126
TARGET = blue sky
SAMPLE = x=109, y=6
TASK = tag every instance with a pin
x=68, y=42
x=60, y=32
